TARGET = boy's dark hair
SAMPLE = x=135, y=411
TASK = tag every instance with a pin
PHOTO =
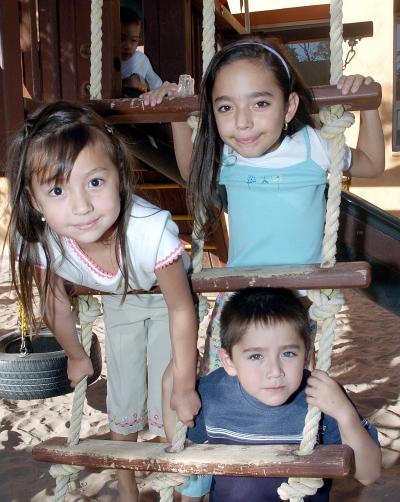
x=129, y=16
x=265, y=306
x=204, y=199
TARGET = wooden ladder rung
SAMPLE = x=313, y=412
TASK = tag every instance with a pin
x=128, y=111
x=342, y=275
x=157, y=186
x=331, y=461
x=182, y=217
x=206, y=247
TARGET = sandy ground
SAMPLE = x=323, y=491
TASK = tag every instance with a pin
x=366, y=360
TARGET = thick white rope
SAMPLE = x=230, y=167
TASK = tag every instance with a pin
x=89, y=310
x=326, y=303
x=208, y=43
x=96, y=46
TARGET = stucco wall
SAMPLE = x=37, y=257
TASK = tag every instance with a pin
x=374, y=56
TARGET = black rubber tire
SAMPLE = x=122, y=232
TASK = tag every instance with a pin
x=42, y=373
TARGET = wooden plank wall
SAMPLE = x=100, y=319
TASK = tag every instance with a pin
x=55, y=63
x=11, y=100
x=168, y=37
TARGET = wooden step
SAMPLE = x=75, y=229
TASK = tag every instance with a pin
x=129, y=111
x=341, y=275
x=331, y=461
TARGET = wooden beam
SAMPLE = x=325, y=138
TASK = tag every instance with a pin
x=124, y=111
x=130, y=111
x=331, y=461
x=304, y=33
x=225, y=21
x=30, y=50
x=342, y=275
x=48, y=21
x=315, y=14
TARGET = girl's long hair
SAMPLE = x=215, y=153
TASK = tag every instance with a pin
x=203, y=195
x=50, y=142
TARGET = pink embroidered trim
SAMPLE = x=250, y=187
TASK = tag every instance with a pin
x=88, y=261
x=155, y=422
x=135, y=419
x=173, y=256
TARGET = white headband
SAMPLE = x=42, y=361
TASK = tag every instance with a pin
x=269, y=49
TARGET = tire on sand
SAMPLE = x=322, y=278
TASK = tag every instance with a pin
x=42, y=373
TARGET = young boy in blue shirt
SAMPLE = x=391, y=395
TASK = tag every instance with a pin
x=136, y=70
x=261, y=392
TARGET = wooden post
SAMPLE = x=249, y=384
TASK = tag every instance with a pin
x=32, y=77
x=49, y=49
x=167, y=37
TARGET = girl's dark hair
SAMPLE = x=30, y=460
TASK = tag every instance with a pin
x=204, y=200
x=51, y=141
x=265, y=306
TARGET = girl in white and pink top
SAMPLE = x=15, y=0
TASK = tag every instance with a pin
x=74, y=218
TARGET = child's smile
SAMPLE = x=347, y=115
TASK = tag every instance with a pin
x=249, y=108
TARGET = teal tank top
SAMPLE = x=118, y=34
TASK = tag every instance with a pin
x=276, y=215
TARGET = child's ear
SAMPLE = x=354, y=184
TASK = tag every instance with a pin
x=292, y=105
x=227, y=362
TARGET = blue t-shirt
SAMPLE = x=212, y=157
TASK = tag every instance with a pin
x=229, y=415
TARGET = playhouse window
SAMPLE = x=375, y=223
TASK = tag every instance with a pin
x=312, y=60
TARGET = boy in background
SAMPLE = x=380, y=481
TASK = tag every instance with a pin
x=136, y=69
x=261, y=392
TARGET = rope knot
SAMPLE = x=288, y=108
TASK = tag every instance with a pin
x=297, y=488
x=65, y=470
x=335, y=120
x=89, y=309
x=326, y=303
x=194, y=123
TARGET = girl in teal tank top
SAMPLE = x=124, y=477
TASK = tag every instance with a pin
x=257, y=140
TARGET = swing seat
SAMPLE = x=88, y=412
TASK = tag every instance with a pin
x=330, y=461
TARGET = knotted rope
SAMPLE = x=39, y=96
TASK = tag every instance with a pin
x=326, y=303
x=89, y=310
